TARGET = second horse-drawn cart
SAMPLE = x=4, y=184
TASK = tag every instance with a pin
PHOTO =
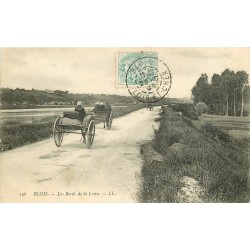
x=103, y=112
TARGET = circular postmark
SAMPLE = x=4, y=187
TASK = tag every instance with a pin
x=148, y=79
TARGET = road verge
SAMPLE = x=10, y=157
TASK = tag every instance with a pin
x=216, y=166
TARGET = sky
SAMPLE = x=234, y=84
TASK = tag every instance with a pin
x=93, y=70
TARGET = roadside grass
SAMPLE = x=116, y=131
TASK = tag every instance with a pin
x=18, y=134
x=220, y=164
x=14, y=134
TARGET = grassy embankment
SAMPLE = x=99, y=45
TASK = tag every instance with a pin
x=16, y=134
x=210, y=155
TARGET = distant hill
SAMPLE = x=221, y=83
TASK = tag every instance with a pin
x=14, y=97
x=22, y=98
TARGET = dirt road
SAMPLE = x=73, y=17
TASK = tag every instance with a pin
x=108, y=172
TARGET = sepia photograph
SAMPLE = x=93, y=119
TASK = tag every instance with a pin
x=125, y=125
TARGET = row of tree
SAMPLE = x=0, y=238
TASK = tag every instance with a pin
x=226, y=94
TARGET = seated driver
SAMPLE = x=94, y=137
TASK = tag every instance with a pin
x=79, y=108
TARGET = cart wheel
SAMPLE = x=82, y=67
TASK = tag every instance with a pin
x=57, y=132
x=90, y=134
x=110, y=120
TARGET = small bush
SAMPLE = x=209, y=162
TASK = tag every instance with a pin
x=201, y=108
x=187, y=109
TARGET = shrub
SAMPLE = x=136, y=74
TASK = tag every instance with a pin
x=187, y=109
x=201, y=108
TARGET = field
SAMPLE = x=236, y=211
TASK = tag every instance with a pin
x=227, y=122
x=202, y=151
x=238, y=127
x=15, y=134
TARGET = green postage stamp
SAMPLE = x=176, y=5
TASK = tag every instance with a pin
x=124, y=60
x=147, y=78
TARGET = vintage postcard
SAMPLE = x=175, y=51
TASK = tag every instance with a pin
x=158, y=125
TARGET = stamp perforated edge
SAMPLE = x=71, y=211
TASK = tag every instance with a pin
x=116, y=61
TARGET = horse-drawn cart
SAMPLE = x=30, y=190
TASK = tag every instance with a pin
x=71, y=123
x=103, y=112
